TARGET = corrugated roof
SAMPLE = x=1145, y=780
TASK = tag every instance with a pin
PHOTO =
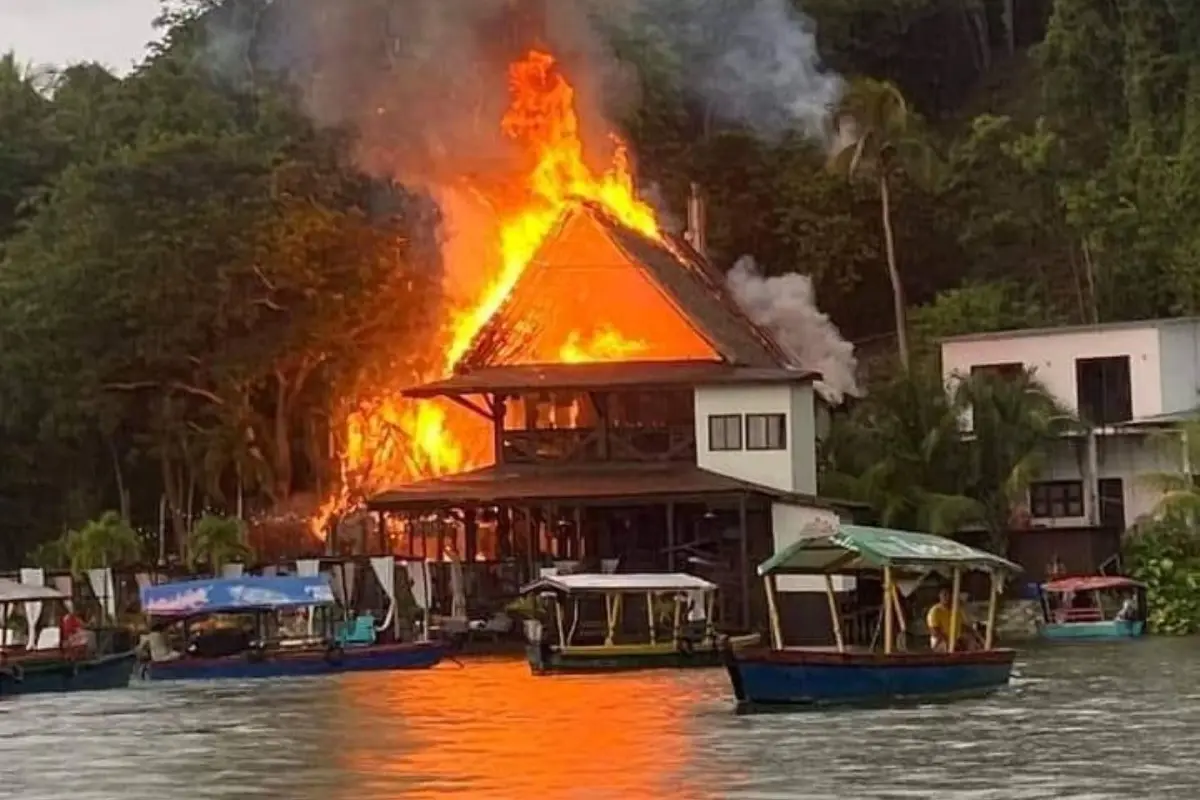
x=524, y=482
x=691, y=284
x=642, y=374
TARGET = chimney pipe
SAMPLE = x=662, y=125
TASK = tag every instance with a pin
x=694, y=235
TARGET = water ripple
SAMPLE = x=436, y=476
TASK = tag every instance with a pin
x=1079, y=723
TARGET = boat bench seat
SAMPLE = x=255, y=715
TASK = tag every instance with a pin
x=1081, y=615
x=358, y=631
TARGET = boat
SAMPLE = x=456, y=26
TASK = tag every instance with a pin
x=1093, y=607
x=678, y=632
x=60, y=667
x=779, y=676
x=258, y=647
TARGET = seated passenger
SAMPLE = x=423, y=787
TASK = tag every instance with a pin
x=943, y=624
x=1129, y=610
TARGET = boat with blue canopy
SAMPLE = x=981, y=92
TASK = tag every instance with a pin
x=798, y=677
x=1093, y=607
x=270, y=627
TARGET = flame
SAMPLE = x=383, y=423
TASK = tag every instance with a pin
x=604, y=345
x=421, y=439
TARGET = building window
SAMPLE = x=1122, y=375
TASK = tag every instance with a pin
x=1008, y=370
x=725, y=432
x=766, y=432
x=1102, y=387
x=1056, y=499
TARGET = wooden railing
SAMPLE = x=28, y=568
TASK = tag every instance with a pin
x=636, y=444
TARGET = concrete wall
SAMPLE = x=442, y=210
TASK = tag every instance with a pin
x=1052, y=355
x=1179, y=345
x=792, y=469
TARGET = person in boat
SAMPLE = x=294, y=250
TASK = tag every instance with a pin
x=152, y=646
x=944, y=626
x=1129, y=610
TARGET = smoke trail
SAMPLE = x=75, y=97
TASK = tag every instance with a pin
x=751, y=61
x=786, y=306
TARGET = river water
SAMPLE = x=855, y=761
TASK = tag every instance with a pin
x=1080, y=721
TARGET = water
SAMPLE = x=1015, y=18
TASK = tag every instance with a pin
x=1080, y=721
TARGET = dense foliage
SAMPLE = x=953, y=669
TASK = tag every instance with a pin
x=191, y=268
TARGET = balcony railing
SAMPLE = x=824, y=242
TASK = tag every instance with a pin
x=649, y=443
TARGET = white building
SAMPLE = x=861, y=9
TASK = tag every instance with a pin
x=1132, y=381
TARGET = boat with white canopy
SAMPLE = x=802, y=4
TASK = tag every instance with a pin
x=56, y=666
x=615, y=623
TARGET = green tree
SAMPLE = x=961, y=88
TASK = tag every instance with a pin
x=879, y=137
x=216, y=541
x=107, y=541
x=905, y=450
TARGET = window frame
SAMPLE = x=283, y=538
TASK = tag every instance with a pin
x=1110, y=408
x=1042, y=506
x=768, y=445
x=729, y=422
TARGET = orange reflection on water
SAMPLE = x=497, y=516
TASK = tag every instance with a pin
x=492, y=730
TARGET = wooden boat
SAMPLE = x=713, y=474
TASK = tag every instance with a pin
x=266, y=652
x=62, y=668
x=685, y=639
x=780, y=676
x=1103, y=607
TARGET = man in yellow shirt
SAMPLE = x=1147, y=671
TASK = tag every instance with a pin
x=944, y=626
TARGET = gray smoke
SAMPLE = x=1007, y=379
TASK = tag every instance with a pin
x=786, y=306
x=751, y=61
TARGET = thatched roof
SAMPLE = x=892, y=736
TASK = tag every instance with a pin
x=692, y=286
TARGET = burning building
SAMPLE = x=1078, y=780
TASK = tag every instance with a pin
x=604, y=398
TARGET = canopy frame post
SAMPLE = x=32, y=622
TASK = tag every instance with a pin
x=558, y=618
x=889, y=620
x=993, y=602
x=834, y=615
x=773, y=612
x=677, y=620
x=902, y=642
x=650, y=616
x=955, y=610
x=710, y=601
x=612, y=601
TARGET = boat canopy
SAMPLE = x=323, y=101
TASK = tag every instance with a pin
x=633, y=582
x=13, y=592
x=855, y=548
x=215, y=595
x=1092, y=583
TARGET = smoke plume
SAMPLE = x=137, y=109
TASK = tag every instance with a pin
x=786, y=306
x=754, y=62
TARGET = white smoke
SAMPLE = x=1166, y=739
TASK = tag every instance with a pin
x=754, y=62
x=786, y=306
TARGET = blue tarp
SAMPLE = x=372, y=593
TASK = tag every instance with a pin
x=234, y=594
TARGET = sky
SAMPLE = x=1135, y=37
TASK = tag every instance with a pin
x=60, y=32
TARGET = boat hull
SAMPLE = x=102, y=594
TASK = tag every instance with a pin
x=595, y=660
x=40, y=676
x=1107, y=630
x=764, y=679
x=283, y=664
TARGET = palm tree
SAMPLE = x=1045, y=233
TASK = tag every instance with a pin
x=217, y=541
x=878, y=136
x=107, y=541
x=906, y=451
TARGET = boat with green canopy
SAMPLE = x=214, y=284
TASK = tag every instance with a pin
x=781, y=675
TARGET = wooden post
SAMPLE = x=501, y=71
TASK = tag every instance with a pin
x=993, y=601
x=470, y=535
x=670, y=536
x=558, y=616
x=954, y=610
x=499, y=409
x=834, y=615
x=383, y=540
x=650, y=614
x=900, y=617
x=677, y=621
x=773, y=612
x=889, y=613
x=744, y=557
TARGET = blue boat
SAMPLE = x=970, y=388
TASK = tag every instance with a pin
x=783, y=677
x=1093, y=607
x=62, y=668
x=330, y=649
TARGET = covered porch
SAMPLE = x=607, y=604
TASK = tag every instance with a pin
x=519, y=519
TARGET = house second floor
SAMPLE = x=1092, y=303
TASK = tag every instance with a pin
x=1108, y=374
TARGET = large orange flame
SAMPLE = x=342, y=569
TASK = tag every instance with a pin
x=392, y=440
